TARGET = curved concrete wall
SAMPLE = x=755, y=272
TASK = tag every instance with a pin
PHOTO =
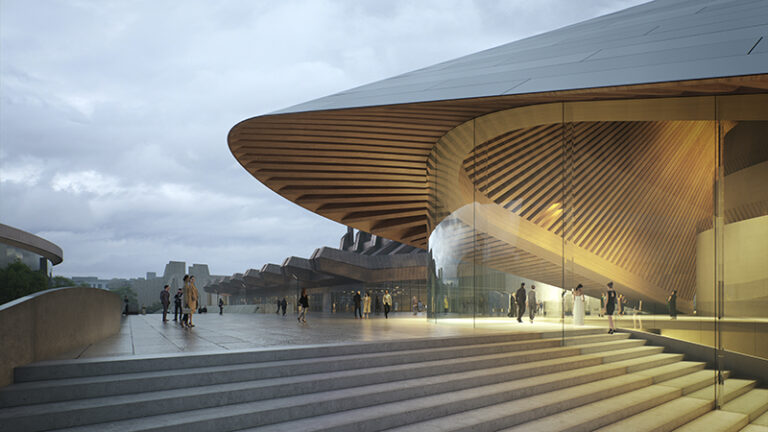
x=47, y=323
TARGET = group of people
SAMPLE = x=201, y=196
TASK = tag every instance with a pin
x=185, y=302
x=520, y=300
x=363, y=304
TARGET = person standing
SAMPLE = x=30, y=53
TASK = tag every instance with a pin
x=284, y=305
x=366, y=305
x=387, y=303
x=177, y=305
x=279, y=304
x=165, y=300
x=532, y=305
x=221, y=306
x=610, y=306
x=414, y=305
x=357, y=299
x=445, y=304
x=126, y=301
x=303, y=306
x=184, y=307
x=578, y=306
x=520, y=299
x=672, y=303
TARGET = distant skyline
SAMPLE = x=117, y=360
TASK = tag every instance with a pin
x=114, y=115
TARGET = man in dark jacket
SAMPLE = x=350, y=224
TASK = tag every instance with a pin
x=357, y=299
x=177, y=305
x=520, y=299
x=165, y=300
x=221, y=306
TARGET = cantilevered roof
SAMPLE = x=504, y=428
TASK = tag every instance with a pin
x=360, y=157
x=655, y=42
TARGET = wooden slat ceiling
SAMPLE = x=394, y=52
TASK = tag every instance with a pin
x=366, y=167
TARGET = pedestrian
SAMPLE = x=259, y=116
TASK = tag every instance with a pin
x=520, y=299
x=672, y=303
x=126, y=301
x=357, y=299
x=221, y=306
x=602, y=305
x=279, y=303
x=532, y=305
x=414, y=305
x=165, y=300
x=445, y=304
x=184, y=307
x=190, y=301
x=284, y=305
x=387, y=303
x=177, y=305
x=610, y=306
x=578, y=306
x=303, y=306
x=367, y=305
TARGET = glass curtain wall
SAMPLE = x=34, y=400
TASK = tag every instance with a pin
x=666, y=198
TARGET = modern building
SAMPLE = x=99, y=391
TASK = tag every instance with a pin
x=36, y=252
x=363, y=262
x=627, y=148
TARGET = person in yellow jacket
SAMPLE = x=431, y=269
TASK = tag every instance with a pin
x=190, y=299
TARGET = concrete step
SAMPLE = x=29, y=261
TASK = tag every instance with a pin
x=101, y=386
x=428, y=394
x=663, y=418
x=754, y=428
x=753, y=403
x=42, y=416
x=732, y=388
x=450, y=412
x=52, y=370
x=762, y=420
x=716, y=421
x=594, y=415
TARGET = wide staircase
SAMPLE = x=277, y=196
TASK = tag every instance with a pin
x=510, y=382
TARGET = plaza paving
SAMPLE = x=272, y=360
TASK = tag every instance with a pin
x=147, y=335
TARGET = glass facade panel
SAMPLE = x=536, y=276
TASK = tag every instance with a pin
x=666, y=198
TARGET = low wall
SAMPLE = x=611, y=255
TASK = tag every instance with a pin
x=51, y=322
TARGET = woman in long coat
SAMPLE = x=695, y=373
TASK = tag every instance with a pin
x=366, y=305
x=190, y=299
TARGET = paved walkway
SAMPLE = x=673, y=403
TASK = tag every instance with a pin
x=147, y=335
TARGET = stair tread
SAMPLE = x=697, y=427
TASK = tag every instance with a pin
x=603, y=412
x=732, y=389
x=100, y=402
x=531, y=405
x=753, y=403
x=664, y=417
x=754, y=428
x=199, y=392
x=716, y=421
x=435, y=401
x=47, y=384
x=762, y=420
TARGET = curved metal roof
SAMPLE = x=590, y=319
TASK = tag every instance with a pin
x=360, y=157
x=655, y=42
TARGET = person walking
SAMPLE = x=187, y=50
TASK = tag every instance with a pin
x=415, y=305
x=532, y=305
x=357, y=299
x=610, y=306
x=578, y=306
x=177, y=305
x=284, y=305
x=126, y=301
x=367, y=305
x=387, y=303
x=520, y=299
x=221, y=306
x=672, y=303
x=303, y=306
x=279, y=304
x=184, y=307
x=165, y=300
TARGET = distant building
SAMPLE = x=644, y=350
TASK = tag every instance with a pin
x=36, y=252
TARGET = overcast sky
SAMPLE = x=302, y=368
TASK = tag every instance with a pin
x=114, y=114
